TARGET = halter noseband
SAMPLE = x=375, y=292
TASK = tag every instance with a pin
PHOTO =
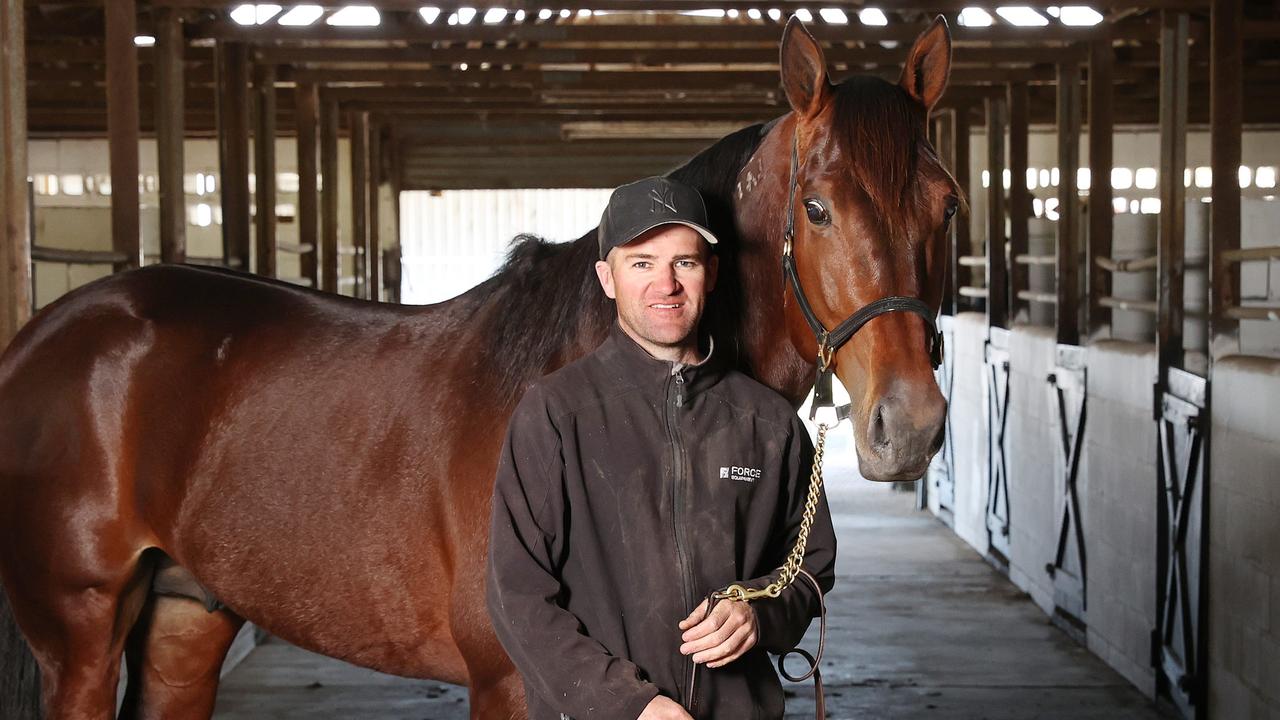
x=830, y=341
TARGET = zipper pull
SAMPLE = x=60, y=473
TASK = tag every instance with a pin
x=679, y=390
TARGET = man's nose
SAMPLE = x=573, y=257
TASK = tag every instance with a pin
x=667, y=283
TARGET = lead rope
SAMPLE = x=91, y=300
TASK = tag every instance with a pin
x=787, y=573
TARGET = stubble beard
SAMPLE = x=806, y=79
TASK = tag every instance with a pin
x=658, y=334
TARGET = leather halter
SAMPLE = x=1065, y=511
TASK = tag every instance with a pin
x=831, y=340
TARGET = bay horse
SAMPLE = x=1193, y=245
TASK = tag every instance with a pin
x=323, y=466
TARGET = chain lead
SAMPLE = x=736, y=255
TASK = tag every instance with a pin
x=791, y=568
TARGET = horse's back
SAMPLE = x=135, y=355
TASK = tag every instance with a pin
x=143, y=380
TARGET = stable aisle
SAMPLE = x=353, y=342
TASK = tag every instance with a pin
x=919, y=627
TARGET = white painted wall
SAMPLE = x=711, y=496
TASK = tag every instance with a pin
x=455, y=239
x=1118, y=497
x=1244, y=545
x=83, y=221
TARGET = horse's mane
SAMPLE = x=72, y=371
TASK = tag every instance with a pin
x=545, y=301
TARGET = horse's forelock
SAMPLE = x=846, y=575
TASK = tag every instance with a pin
x=880, y=129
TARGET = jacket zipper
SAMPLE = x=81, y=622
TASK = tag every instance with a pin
x=675, y=400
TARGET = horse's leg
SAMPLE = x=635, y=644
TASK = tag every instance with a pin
x=174, y=655
x=77, y=635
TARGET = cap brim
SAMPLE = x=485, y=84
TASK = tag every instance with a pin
x=705, y=233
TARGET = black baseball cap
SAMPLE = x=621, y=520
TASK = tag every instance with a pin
x=638, y=207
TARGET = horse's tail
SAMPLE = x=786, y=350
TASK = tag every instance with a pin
x=19, y=675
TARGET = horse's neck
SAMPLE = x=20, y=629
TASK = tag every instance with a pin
x=759, y=200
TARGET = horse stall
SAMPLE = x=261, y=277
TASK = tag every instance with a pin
x=341, y=239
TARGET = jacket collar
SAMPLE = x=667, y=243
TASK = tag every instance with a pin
x=635, y=366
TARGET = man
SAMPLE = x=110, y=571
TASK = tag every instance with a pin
x=640, y=478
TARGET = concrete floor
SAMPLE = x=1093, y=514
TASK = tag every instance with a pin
x=919, y=627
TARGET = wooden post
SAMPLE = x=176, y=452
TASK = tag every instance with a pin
x=1101, y=214
x=233, y=139
x=170, y=110
x=360, y=197
x=962, y=235
x=122, y=129
x=997, y=268
x=373, y=250
x=1170, y=266
x=1068, y=264
x=306, y=97
x=329, y=196
x=945, y=149
x=15, y=228
x=264, y=155
x=1019, y=196
x=394, y=266
x=1225, y=118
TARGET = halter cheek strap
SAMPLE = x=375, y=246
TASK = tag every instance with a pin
x=831, y=340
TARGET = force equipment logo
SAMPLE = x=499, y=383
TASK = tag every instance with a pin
x=745, y=474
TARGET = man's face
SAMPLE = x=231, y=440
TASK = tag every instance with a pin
x=660, y=281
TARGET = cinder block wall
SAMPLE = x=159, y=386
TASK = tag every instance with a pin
x=1244, y=539
x=969, y=431
x=1118, y=505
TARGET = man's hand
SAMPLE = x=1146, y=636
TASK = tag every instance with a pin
x=664, y=708
x=730, y=631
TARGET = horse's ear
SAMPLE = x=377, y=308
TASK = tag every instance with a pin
x=804, y=70
x=928, y=64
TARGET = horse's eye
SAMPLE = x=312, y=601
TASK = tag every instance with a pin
x=952, y=206
x=817, y=214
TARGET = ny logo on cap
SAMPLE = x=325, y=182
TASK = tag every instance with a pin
x=661, y=198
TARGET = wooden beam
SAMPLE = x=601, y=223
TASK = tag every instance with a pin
x=1171, y=265
x=329, y=115
x=15, y=218
x=997, y=261
x=961, y=235
x=306, y=108
x=264, y=154
x=1068, y=264
x=940, y=131
x=233, y=141
x=170, y=116
x=787, y=6
x=359, y=124
x=1019, y=196
x=836, y=54
x=1101, y=160
x=373, y=251
x=729, y=34
x=396, y=172
x=430, y=84
x=1226, y=109
x=122, y=129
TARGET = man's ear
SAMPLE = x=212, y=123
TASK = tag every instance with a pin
x=713, y=270
x=605, y=274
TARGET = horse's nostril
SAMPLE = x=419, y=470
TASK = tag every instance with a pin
x=878, y=436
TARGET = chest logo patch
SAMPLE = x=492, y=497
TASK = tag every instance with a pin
x=734, y=472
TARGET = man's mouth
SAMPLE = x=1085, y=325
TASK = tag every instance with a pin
x=666, y=306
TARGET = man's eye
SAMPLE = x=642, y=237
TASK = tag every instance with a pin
x=641, y=265
x=687, y=264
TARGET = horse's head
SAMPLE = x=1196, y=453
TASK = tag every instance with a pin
x=871, y=206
